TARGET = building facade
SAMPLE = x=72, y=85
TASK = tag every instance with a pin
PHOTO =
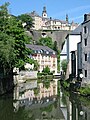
x=69, y=48
x=45, y=57
x=47, y=23
x=86, y=49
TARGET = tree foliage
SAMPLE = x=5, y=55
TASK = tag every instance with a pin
x=27, y=20
x=46, y=70
x=64, y=65
x=13, y=51
x=46, y=42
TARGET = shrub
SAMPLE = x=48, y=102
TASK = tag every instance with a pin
x=85, y=90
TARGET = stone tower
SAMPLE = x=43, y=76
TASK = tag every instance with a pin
x=44, y=12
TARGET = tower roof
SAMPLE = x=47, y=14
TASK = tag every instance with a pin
x=44, y=9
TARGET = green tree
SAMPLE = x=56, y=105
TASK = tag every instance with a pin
x=46, y=70
x=7, y=55
x=46, y=42
x=13, y=39
x=25, y=18
x=55, y=48
x=64, y=65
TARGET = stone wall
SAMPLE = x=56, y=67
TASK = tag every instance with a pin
x=58, y=36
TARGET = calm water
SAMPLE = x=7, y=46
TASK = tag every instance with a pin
x=32, y=101
x=41, y=101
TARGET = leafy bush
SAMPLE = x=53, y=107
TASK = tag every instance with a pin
x=66, y=84
x=85, y=90
x=46, y=70
x=64, y=64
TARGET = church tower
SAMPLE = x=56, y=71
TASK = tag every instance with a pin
x=67, y=18
x=44, y=12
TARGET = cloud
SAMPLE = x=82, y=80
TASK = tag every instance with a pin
x=73, y=10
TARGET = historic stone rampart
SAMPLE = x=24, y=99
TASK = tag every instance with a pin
x=58, y=36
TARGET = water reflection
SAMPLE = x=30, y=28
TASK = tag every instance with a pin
x=77, y=107
x=38, y=100
x=32, y=101
x=32, y=93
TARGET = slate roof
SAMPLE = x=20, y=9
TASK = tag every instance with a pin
x=41, y=49
x=57, y=20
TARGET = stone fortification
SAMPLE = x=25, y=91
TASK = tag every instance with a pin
x=58, y=36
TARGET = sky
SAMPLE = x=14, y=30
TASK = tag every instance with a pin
x=57, y=9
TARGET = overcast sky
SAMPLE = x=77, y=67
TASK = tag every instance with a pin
x=55, y=8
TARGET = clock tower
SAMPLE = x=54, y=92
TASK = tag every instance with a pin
x=44, y=12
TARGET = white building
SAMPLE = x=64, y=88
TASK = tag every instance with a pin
x=37, y=20
x=45, y=23
x=69, y=46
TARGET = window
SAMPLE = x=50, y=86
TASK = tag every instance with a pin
x=85, y=73
x=85, y=29
x=85, y=41
x=85, y=57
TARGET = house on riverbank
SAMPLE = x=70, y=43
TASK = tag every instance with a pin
x=45, y=56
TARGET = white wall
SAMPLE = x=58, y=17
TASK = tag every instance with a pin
x=63, y=54
x=73, y=40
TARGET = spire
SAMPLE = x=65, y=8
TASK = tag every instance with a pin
x=44, y=9
x=44, y=12
x=67, y=17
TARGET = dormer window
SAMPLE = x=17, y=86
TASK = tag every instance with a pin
x=54, y=53
x=47, y=52
x=38, y=51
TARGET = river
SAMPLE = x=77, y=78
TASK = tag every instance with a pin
x=41, y=100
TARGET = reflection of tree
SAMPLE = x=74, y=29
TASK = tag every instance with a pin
x=36, y=91
x=55, y=104
x=6, y=108
x=46, y=83
x=63, y=99
x=23, y=114
x=85, y=101
x=48, y=108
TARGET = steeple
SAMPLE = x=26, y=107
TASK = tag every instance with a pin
x=67, y=17
x=44, y=9
x=44, y=12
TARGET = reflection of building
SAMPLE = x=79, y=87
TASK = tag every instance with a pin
x=45, y=23
x=26, y=94
x=47, y=92
x=45, y=57
x=76, y=110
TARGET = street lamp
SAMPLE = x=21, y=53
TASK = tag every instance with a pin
x=81, y=75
